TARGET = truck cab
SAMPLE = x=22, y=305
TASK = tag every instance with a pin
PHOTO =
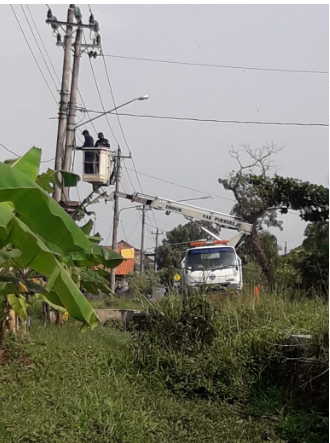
x=212, y=264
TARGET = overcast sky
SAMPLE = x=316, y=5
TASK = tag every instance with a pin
x=191, y=154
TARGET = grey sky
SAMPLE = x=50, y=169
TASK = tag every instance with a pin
x=188, y=153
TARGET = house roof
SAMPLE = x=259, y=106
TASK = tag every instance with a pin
x=127, y=265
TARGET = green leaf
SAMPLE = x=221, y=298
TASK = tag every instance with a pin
x=52, y=222
x=87, y=227
x=18, y=304
x=69, y=179
x=7, y=255
x=48, y=299
x=29, y=163
x=37, y=256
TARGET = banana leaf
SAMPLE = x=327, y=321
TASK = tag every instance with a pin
x=18, y=304
x=39, y=211
x=36, y=255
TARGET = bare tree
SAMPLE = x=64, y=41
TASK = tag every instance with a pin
x=250, y=206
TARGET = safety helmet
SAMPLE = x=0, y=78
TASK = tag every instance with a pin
x=100, y=135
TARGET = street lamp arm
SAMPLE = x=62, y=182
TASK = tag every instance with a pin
x=144, y=97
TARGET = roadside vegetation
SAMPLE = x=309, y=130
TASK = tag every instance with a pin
x=202, y=371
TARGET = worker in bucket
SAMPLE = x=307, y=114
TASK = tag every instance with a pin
x=102, y=141
x=89, y=141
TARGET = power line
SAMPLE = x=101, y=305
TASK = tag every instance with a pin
x=12, y=152
x=35, y=39
x=122, y=131
x=184, y=187
x=100, y=96
x=18, y=156
x=35, y=59
x=192, y=119
x=50, y=60
x=211, y=65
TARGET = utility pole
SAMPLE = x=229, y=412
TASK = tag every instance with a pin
x=62, y=115
x=65, y=132
x=155, y=255
x=142, y=239
x=286, y=248
x=116, y=216
x=72, y=108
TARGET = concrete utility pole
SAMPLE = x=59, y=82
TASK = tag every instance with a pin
x=155, y=255
x=142, y=239
x=72, y=109
x=62, y=115
x=64, y=130
x=116, y=217
x=286, y=248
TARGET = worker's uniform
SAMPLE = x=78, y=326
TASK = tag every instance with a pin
x=103, y=142
x=89, y=141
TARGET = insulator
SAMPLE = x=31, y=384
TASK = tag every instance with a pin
x=77, y=13
x=96, y=27
x=59, y=38
x=49, y=14
x=95, y=54
x=91, y=19
x=54, y=25
x=98, y=40
x=90, y=54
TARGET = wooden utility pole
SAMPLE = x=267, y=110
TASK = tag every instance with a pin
x=62, y=115
x=72, y=109
x=142, y=239
x=116, y=216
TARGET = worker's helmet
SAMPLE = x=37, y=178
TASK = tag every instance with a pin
x=85, y=132
x=100, y=135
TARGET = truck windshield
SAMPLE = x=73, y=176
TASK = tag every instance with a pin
x=212, y=258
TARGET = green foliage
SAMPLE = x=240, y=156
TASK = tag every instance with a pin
x=143, y=284
x=63, y=389
x=47, y=239
x=290, y=193
x=192, y=373
x=234, y=352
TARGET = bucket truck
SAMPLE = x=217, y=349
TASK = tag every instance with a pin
x=206, y=264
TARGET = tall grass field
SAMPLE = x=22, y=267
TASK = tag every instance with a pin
x=194, y=371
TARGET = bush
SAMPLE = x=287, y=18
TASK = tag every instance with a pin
x=235, y=351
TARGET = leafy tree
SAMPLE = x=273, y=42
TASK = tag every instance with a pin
x=260, y=198
x=313, y=263
x=311, y=200
x=250, y=206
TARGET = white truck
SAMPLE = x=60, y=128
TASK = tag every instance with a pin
x=206, y=264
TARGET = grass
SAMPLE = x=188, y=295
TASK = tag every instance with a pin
x=61, y=385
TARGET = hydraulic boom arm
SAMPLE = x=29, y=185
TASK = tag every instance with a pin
x=189, y=212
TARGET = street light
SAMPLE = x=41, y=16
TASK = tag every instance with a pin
x=204, y=197
x=143, y=97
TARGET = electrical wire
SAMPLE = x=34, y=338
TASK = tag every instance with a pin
x=50, y=60
x=18, y=156
x=100, y=96
x=11, y=152
x=122, y=226
x=35, y=39
x=184, y=187
x=210, y=65
x=210, y=120
x=122, y=130
x=35, y=59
